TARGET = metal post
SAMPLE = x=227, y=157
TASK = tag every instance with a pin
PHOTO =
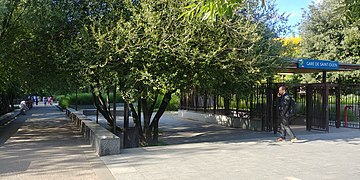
x=309, y=107
x=269, y=105
x=326, y=107
x=275, y=109
x=338, y=120
x=325, y=102
x=114, y=108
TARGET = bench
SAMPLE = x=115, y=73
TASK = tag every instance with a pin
x=103, y=141
x=9, y=116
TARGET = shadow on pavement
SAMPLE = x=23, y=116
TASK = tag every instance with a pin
x=43, y=144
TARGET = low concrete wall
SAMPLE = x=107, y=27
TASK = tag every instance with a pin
x=9, y=116
x=103, y=141
x=223, y=120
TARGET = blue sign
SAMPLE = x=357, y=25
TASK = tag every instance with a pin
x=318, y=64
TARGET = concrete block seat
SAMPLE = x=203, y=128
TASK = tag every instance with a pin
x=9, y=116
x=103, y=141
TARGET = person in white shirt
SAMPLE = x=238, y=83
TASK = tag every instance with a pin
x=23, y=107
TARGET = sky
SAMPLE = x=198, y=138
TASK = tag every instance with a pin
x=294, y=9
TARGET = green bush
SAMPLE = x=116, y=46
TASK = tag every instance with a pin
x=87, y=99
x=64, y=102
x=173, y=105
x=82, y=98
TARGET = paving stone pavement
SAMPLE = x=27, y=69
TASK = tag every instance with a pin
x=43, y=144
x=316, y=155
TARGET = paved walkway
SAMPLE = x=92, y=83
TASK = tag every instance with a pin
x=315, y=156
x=44, y=145
x=177, y=130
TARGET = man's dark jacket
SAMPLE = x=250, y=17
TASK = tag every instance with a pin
x=285, y=105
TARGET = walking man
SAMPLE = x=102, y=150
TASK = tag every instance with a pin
x=284, y=108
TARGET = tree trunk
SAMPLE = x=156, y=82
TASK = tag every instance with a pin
x=101, y=106
x=137, y=121
x=182, y=100
x=237, y=105
x=147, y=112
x=227, y=105
x=139, y=118
x=114, y=108
x=126, y=116
x=147, y=117
x=205, y=101
x=159, y=113
x=196, y=100
x=251, y=106
x=108, y=99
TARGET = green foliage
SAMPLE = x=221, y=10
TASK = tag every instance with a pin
x=64, y=102
x=173, y=105
x=83, y=99
x=351, y=10
x=141, y=47
x=324, y=36
x=212, y=10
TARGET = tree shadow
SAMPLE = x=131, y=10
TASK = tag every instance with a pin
x=45, y=141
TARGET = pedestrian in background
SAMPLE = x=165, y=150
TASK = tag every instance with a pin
x=45, y=100
x=36, y=100
x=23, y=106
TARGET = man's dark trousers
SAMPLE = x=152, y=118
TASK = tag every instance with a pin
x=285, y=128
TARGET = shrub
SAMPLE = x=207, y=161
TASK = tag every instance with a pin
x=87, y=99
x=83, y=99
x=64, y=102
x=173, y=105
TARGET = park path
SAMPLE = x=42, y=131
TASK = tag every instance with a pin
x=314, y=156
x=43, y=144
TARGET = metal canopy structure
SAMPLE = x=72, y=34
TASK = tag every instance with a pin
x=293, y=67
x=317, y=119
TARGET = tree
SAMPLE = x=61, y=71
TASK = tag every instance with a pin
x=324, y=36
x=144, y=49
x=212, y=10
x=243, y=52
x=291, y=46
x=351, y=10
